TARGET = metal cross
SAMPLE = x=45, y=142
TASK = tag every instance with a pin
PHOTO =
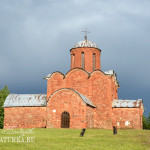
x=85, y=33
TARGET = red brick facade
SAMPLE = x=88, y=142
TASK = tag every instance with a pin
x=25, y=117
x=99, y=87
x=128, y=117
x=91, y=58
x=85, y=92
x=96, y=86
x=66, y=100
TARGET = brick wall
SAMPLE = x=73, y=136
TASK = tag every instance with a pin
x=100, y=95
x=127, y=117
x=90, y=117
x=97, y=86
x=25, y=117
x=69, y=101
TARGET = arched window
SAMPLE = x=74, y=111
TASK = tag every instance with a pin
x=93, y=61
x=65, y=120
x=73, y=59
x=82, y=60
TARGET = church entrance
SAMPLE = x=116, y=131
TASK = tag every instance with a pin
x=65, y=120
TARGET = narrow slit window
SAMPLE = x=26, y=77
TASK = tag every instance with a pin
x=93, y=61
x=82, y=61
x=73, y=60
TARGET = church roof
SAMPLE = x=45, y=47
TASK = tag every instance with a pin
x=86, y=100
x=85, y=43
x=33, y=100
x=110, y=72
x=19, y=100
x=128, y=103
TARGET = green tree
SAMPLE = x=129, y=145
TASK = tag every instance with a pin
x=144, y=122
x=3, y=94
x=148, y=122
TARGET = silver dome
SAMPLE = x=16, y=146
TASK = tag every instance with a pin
x=85, y=43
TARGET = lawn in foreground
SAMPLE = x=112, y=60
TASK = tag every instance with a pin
x=68, y=139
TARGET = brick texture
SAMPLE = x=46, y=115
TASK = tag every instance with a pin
x=128, y=118
x=76, y=58
x=98, y=87
x=25, y=117
x=66, y=100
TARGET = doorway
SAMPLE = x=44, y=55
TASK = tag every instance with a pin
x=65, y=120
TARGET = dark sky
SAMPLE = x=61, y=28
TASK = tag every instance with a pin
x=36, y=37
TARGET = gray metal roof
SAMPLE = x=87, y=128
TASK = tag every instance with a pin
x=86, y=100
x=85, y=43
x=19, y=100
x=48, y=76
x=110, y=72
x=33, y=100
x=128, y=103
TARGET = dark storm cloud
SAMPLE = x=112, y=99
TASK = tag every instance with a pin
x=36, y=36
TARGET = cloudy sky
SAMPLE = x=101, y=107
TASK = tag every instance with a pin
x=36, y=37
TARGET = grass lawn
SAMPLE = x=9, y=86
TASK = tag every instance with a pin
x=68, y=139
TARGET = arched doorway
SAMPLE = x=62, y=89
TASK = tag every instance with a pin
x=65, y=120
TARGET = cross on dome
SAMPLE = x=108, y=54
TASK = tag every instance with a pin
x=85, y=33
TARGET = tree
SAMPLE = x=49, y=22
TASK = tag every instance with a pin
x=148, y=122
x=144, y=122
x=3, y=94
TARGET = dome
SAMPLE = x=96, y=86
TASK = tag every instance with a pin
x=85, y=43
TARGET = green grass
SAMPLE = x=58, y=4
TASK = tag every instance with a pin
x=68, y=139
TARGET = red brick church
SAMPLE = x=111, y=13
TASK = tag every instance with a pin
x=84, y=97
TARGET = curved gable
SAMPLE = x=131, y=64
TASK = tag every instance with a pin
x=57, y=73
x=67, y=74
x=77, y=70
x=77, y=79
x=95, y=72
x=86, y=100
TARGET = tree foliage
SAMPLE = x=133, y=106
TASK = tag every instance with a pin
x=3, y=94
x=146, y=122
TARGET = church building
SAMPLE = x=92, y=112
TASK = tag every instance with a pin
x=84, y=97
